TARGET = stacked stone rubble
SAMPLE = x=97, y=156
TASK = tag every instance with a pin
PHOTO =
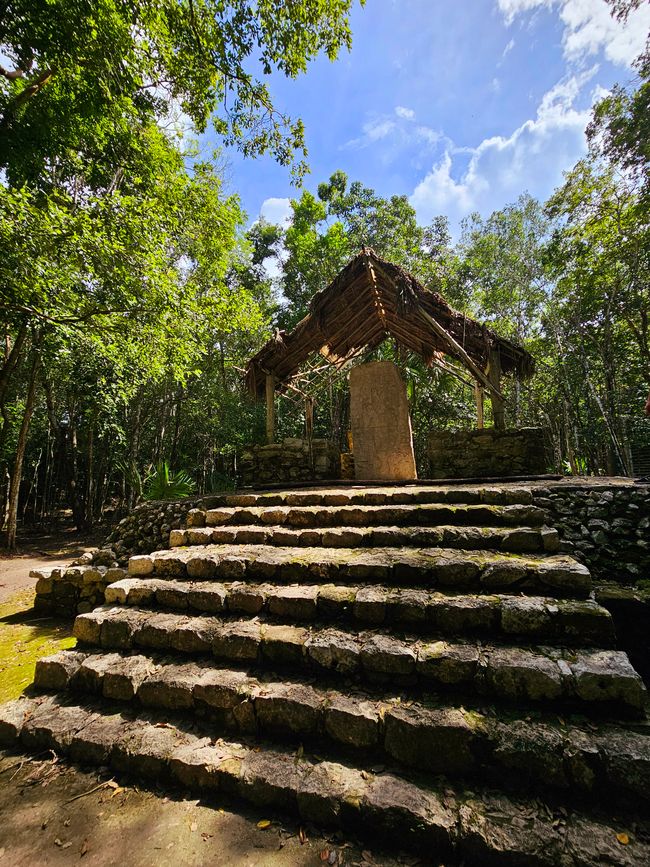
x=423, y=665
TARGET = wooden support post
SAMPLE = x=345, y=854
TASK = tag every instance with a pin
x=270, y=408
x=479, y=396
x=494, y=375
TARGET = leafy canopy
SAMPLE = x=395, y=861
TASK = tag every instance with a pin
x=85, y=76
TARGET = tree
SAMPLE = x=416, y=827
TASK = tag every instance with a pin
x=123, y=291
x=85, y=77
x=327, y=230
x=619, y=131
x=598, y=259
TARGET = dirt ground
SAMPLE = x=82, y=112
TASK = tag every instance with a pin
x=45, y=822
x=53, y=814
x=40, y=549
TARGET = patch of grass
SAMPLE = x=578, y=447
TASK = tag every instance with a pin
x=26, y=636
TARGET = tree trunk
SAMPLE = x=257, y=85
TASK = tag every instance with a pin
x=12, y=356
x=177, y=426
x=16, y=476
x=90, y=475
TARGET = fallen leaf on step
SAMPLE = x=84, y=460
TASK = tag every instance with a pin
x=623, y=838
x=302, y=836
x=324, y=855
x=84, y=848
x=263, y=824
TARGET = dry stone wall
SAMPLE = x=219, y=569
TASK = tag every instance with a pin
x=464, y=454
x=291, y=460
x=606, y=527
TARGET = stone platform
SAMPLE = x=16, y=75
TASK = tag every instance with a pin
x=415, y=663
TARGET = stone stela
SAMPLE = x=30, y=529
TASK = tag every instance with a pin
x=381, y=425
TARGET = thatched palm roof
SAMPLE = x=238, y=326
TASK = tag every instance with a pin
x=372, y=299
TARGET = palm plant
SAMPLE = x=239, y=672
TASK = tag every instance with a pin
x=163, y=484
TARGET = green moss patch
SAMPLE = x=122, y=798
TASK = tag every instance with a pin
x=26, y=636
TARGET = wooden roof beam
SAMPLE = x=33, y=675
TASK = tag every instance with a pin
x=458, y=349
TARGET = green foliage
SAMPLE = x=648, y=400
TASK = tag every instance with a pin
x=163, y=484
x=87, y=77
x=502, y=264
x=325, y=232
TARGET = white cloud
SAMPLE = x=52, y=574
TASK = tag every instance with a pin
x=399, y=134
x=495, y=85
x=512, y=8
x=373, y=131
x=427, y=135
x=508, y=48
x=500, y=168
x=589, y=28
x=277, y=211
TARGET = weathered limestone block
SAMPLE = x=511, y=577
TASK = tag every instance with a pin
x=94, y=742
x=297, y=602
x=122, y=679
x=516, y=673
x=291, y=460
x=436, y=740
x=324, y=788
x=12, y=716
x=608, y=676
x=55, y=672
x=220, y=689
x=169, y=686
x=140, y=565
x=384, y=655
x=352, y=721
x=284, y=644
x=239, y=641
x=452, y=664
x=249, y=598
x=334, y=650
x=295, y=708
x=381, y=426
x=210, y=598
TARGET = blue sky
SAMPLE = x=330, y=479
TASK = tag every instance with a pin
x=460, y=106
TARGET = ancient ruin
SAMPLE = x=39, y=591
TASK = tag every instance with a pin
x=370, y=301
x=422, y=663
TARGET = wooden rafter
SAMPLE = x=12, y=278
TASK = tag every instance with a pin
x=370, y=300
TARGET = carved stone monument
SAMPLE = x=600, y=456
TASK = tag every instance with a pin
x=381, y=425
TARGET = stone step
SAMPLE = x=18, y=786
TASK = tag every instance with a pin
x=474, y=827
x=556, y=575
x=427, y=515
x=586, y=678
x=377, y=495
x=517, y=540
x=429, y=736
x=571, y=622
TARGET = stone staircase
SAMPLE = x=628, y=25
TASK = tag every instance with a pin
x=417, y=664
